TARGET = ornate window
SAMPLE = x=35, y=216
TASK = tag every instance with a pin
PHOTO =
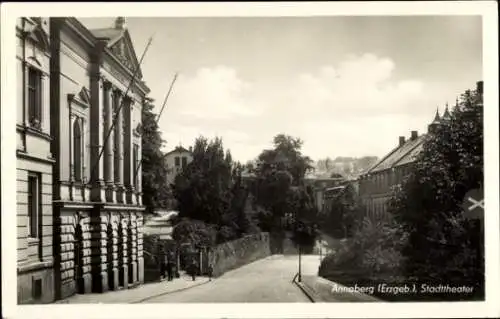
x=77, y=150
x=34, y=204
x=35, y=97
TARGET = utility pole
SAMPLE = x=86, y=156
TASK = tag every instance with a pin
x=300, y=262
x=157, y=119
x=298, y=229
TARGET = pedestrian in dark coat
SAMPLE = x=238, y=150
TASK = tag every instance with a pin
x=165, y=266
x=210, y=272
x=170, y=270
x=193, y=269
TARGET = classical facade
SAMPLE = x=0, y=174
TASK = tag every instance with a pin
x=34, y=164
x=92, y=147
x=177, y=160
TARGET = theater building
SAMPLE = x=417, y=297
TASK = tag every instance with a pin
x=87, y=158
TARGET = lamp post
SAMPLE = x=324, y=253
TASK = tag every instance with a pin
x=298, y=229
x=320, y=248
x=300, y=263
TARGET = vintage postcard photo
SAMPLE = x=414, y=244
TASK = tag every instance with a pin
x=250, y=157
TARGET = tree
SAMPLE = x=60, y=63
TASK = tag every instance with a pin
x=444, y=245
x=210, y=190
x=343, y=209
x=195, y=233
x=279, y=186
x=156, y=193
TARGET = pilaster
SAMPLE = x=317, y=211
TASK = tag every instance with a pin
x=109, y=146
x=99, y=250
x=128, y=148
x=96, y=136
x=118, y=155
x=123, y=270
x=140, y=257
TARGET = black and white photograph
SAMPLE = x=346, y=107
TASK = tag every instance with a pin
x=210, y=158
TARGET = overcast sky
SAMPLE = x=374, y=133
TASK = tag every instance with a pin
x=348, y=86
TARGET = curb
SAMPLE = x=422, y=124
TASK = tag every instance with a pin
x=357, y=297
x=303, y=289
x=169, y=292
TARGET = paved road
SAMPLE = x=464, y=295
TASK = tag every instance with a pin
x=266, y=280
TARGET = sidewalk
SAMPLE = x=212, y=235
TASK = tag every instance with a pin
x=318, y=289
x=138, y=294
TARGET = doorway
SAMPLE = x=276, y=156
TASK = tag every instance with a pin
x=78, y=261
x=121, y=274
x=109, y=256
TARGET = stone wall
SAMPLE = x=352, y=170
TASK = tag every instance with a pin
x=236, y=253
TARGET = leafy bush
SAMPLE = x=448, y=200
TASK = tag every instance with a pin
x=375, y=248
x=194, y=232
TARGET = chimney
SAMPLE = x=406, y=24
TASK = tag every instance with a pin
x=120, y=23
x=479, y=87
x=190, y=149
x=401, y=140
x=414, y=135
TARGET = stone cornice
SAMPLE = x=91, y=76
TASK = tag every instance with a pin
x=73, y=205
x=122, y=207
x=25, y=155
x=32, y=266
x=34, y=132
x=81, y=30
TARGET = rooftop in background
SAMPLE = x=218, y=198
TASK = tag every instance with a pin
x=400, y=155
x=180, y=149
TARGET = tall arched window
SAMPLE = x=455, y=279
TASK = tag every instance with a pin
x=77, y=150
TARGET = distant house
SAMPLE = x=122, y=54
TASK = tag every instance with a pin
x=177, y=160
x=320, y=185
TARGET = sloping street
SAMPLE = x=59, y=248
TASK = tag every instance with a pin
x=266, y=280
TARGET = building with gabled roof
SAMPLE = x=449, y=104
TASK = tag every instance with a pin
x=376, y=185
x=177, y=160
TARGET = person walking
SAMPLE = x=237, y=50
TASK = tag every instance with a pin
x=193, y=269
x=164, y=266
x=210, y=271
x=169, y=269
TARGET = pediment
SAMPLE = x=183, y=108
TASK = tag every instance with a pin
x=123, y=50
x=37, y=32
x=84, y=95
x=82, y=98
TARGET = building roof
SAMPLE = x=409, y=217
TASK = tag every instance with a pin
x=446, y=115
x=400, y=155
x=110, y=34
x=178, y=149
x=116, y=35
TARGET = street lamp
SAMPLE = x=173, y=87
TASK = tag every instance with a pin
x=300, y=263
x=298, y=229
